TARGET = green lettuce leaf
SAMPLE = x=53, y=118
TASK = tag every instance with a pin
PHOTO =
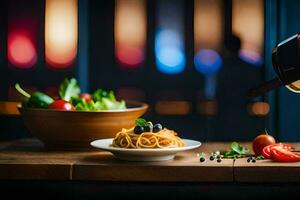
x=69, y=88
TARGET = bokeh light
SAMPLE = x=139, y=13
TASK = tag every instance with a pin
x=130, y=32
x=170, y=58
x=21, y=50
x=251, y=57
x=169, y=38
x=61, y=32
x=248, y=24
x=207, y=61
x=208, y=24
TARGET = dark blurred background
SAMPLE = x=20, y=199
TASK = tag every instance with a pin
x=192, y=61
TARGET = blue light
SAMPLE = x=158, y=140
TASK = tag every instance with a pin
x=169, y=52
x=207, y=61
x=210, y=86
x=251, y=57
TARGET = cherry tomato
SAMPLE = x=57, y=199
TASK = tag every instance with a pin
x=86, y=96
x=61, y=105
x=262, y=141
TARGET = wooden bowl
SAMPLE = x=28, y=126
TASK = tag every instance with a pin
x=76, y=129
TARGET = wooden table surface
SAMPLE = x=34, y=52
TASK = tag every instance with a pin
x=28, y=160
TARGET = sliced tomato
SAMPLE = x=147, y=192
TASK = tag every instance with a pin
x=266, y=152
x=286, y=146
x=280, y=154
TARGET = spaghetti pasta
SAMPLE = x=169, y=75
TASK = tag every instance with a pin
x=165, y=138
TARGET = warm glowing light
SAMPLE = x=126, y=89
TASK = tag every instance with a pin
x=208, y=108
x=61, y=32
x=248, y=24
x=131, y=93
x=208, y=29
x=130, y=32
x=21, y=50
x=169, y=37
x=208, y=24
x=9, y=108
x=173, y=107
x=258, y=109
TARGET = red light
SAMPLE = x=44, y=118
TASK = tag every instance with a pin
x=129, y=57
x=21, y=50
x=131, y=93
x=130, y=32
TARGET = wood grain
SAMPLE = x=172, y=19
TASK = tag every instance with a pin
x=266, y=171
x=29, y=160
x=186, y=167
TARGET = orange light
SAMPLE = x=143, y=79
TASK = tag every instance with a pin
x=208, y=108
x=131, y=93
x=258, y=109
x=61, y=32
x=208, y=24
x=248, y=24
x=130, y=32
x=173, y=107
x=21, y=50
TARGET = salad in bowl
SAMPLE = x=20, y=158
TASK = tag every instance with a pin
x=72, y=99
x=75, y=119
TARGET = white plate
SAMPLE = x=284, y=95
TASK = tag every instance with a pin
x=144, y=154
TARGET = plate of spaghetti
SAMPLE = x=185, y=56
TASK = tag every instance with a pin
x=145, y=142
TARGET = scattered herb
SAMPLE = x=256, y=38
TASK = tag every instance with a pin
x=236, y=151
x=201, y=156
x=260, y=157
x=141, y=122
x=238, y=148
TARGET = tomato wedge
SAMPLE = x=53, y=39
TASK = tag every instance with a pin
x=266, y=152
x=61, y=105
x=280, y=154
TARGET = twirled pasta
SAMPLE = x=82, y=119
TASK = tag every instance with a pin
x=165, y=138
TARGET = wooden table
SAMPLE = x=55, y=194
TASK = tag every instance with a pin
x=27, y=160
